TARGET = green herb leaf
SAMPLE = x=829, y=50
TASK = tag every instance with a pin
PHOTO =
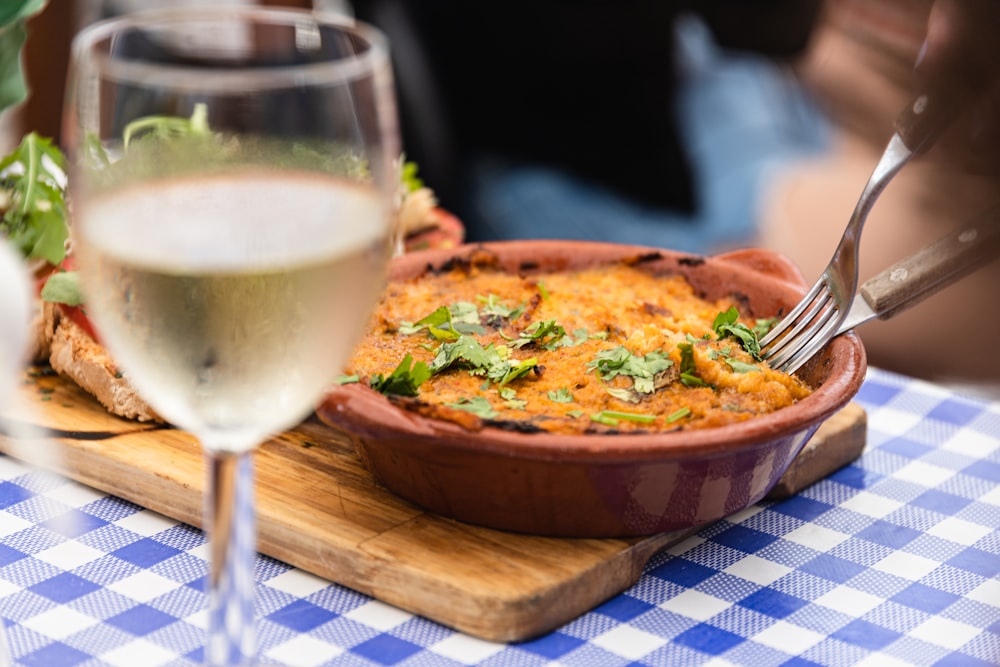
x=561, y=395
x=678, y=415
x=742, y=367
x=762, y=326
x=63, y=287
x=478, y=406
x=34, y=214
x=494, y=310
x=688, y=370
x=408, y=177
x=612, y=417
x=405, y=380
x=13, y=33
x=347, y=379
x=726, y=324
x=466, y=350
x=508, y=370
x=620, y=361
x=538, y=332
x=166, y=127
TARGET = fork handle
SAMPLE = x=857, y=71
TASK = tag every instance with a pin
x=933, y=268
x=921, y=122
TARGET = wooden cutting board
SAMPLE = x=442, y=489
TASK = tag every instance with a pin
x=321, y=511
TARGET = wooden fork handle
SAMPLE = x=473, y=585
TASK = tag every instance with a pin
x=928, y=115
x=933, y=268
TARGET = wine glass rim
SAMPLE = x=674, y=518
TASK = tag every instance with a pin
x=342, y=69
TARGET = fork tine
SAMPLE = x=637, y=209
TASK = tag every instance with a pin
x=812, y=346
x=795, y=334
x=789, y=319
x=792, y=345
x=803, y=340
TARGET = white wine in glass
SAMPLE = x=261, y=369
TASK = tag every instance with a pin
x=232, y=181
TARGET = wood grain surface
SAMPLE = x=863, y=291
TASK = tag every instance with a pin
x=320, y=510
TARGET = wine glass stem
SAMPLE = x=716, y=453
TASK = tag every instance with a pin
x=233, y=543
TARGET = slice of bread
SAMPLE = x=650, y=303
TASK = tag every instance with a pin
x=74, y=354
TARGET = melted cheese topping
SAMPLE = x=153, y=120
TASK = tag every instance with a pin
x=569, y=390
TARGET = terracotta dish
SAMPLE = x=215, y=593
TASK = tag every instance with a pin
x=600, y=485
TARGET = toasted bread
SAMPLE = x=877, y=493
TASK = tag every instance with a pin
x=73, y=353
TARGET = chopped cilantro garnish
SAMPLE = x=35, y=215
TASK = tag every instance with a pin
x=543, y=290
x=688, y=370
x=726, y=324
x=612, y=417
x=627, y=395
x=762, y=326
x=620, y=361
x=741, y=367
x=466, y=350
x=510, y=398
x=538, y=332
x=493, y=362
x=678, y=415
x=507, y=370
x=405, y=380
x=446, y=322
x=494, y=309
x=478, y=406
x=347, y=379
x=561, y=395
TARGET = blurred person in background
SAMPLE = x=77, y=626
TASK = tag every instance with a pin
x=553, y=118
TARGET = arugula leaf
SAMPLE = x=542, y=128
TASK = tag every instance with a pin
x=63, y=287
x=404, y=381
x=165, y=127
x=13, y=33
x=620, y=361
x=726, y=324
x=34, y=217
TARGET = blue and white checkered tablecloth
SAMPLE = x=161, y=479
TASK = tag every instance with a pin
x=894, y=560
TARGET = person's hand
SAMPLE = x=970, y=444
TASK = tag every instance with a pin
x=961, y=59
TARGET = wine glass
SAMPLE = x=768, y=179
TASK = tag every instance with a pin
x=232, y=181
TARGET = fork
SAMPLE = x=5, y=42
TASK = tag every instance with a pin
x=822, y=311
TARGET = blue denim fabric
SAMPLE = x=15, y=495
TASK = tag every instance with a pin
x=741, y=116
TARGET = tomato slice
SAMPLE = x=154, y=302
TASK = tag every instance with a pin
x=79, y=317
